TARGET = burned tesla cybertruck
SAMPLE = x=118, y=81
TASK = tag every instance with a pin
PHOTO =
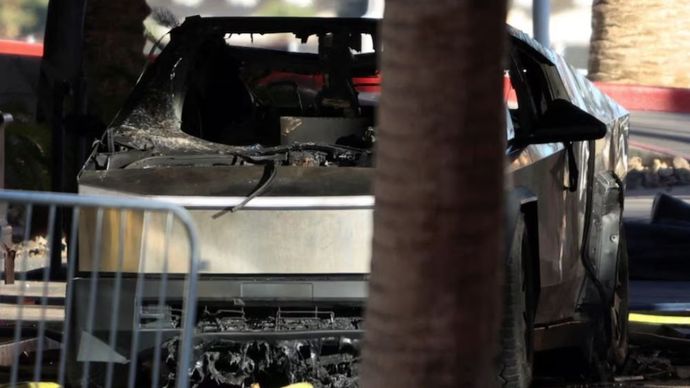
x=265, y=129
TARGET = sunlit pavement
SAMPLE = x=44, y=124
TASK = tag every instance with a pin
x=665, y=132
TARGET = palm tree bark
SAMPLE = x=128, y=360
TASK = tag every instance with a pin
x=643, y=42
x=434, y=306
x=113, y=51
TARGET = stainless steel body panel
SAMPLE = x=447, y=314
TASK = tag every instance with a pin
x=559, y=234
x=335, y=241
x=284, y=234
x=543, y=169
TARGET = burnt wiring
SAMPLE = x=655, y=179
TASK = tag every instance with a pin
x=240, y=347
x=270, y=172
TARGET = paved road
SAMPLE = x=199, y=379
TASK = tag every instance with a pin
x=638, y=203
x=662, y=131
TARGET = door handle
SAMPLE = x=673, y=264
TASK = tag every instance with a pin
x=573, y=171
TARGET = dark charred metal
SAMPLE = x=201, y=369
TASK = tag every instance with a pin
x=236, y=349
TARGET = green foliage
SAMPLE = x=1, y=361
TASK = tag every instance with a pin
x=27, y=152
x=21, y=18
x=284, y=9
x=26, y=163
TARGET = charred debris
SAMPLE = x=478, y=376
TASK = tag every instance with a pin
x=272, y=348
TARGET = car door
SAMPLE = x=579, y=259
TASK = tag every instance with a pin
x=555, y=174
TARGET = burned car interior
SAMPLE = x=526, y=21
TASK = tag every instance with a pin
x=312, y=108
x=305, y=101
x=242, y=96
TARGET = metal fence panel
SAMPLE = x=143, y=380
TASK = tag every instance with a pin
x=117, y=322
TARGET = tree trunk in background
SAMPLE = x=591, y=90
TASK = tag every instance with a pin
x=434, y=307
x=641, y=42
x=113, y=52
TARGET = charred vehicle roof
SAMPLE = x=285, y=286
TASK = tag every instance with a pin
x=211, y=93
x=205, y=95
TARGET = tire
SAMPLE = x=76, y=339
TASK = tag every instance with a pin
x=618, y=346
x=611, y=340
x=515, y=363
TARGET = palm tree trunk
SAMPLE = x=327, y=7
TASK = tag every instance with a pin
x=433, y=312
x=113, y=51
x=641, y=42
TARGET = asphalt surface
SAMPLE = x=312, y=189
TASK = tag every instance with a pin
x=660, y=131
x=666, y=132
x=638, y=203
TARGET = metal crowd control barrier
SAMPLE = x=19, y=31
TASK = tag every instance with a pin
x=119, y=328
x=5, y=230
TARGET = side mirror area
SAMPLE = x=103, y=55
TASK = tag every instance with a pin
x=563, y=122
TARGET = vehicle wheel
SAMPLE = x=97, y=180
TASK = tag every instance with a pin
x=618, y=348
x=515, y=365
x=612, y=340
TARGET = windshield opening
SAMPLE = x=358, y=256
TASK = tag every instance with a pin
x=238, y=94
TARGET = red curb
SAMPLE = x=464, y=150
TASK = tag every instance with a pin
x=13, y=47
x=635, y=97
x=632, y=97
x=648, y=98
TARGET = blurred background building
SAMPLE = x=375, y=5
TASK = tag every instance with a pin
x=570, y=27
